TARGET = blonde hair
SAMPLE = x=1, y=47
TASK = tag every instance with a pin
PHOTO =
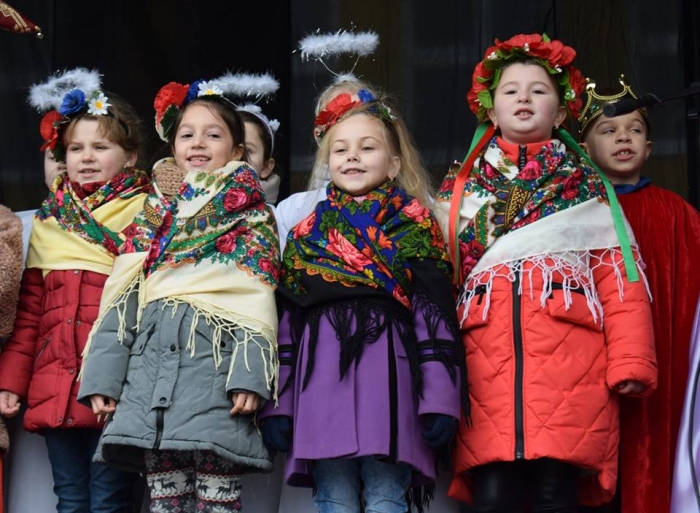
x=319, y=173
x=412, y=177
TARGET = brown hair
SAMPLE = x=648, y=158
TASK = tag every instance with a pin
x=121, y=125
x=222, y=108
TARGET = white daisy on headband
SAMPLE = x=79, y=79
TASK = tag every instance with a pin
x=98, y=105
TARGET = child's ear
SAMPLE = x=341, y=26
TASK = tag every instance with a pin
x=561, y=116
x=491, y=113
x=584, y=146
x=237, y=152
x=131, y=159
x=394, y=166
x=647, y=149
x=266, y=171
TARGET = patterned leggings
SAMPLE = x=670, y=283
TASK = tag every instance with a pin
x=185, y=481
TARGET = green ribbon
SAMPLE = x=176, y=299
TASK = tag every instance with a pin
x=615, y=209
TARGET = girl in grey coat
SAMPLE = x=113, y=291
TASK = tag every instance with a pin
x=184, y=351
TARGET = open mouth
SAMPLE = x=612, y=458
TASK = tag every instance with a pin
x=624, y=154
x=198, y=159
x=353, y=172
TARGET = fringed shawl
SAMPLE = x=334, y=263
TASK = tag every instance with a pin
x=214, y=248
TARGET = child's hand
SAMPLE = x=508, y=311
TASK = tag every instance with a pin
x=244, y=402
x=101, y=404
x=9, y=403
x=630, y=387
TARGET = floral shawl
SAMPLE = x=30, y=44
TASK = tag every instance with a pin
x=213, y=247
x=74, y=232
x=551, y=208
x=353, y=262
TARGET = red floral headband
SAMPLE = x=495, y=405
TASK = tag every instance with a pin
x=343, y=104
x=552, y=55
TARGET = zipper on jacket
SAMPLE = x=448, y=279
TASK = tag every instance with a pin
x=518, y=348
x=393, y=402
x=160, y=412
x=522, y=157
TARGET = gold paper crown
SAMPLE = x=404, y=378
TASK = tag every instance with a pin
x=595, y=103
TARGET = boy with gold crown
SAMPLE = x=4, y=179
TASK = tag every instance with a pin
x=667, y=230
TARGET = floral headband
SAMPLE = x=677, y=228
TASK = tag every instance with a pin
x=67, y=95
x=552, y=55
x=173, y=97
x=343, y=105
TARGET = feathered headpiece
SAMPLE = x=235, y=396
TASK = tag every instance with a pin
x=173, y=97
x=552, y=55
x=320, y=46
x=595, y=103
x=64, y=96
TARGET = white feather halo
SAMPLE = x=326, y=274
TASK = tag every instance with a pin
x=319, y=46
x=257, y=111
x=49, y=95
x=248, y=84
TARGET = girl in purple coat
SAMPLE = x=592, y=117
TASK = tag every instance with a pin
x=370, y=375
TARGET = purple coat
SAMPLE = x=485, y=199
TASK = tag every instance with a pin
x=352, y=417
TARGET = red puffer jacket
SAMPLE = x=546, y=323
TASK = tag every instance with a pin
x=42, y=358
x=541, y=378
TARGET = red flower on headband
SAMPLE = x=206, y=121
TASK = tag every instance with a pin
x=334, y=111
x=170, y=94
x=48, y=128
x=554, y=56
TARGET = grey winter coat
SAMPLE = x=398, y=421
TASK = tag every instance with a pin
x=169, y=399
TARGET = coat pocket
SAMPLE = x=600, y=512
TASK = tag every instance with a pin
x=578, y=311
x=478, y=314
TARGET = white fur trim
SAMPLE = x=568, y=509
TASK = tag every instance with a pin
x=49, y=95
x=322, y=45
x=257, y=85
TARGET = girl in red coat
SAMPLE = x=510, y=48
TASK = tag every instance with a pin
x=75, y=237
x=556, y=320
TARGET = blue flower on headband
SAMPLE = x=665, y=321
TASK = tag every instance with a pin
x=73, y=102
x=365, y=96
x=193, y=92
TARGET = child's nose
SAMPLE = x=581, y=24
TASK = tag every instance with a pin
x=523, y=97
x=623, y=135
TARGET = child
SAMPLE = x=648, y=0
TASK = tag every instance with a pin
x=75, y=237
x=260, y=146
x=185, y=346
x=668, y=232
x=370, y=373
x=553, y=326
x=52, y=167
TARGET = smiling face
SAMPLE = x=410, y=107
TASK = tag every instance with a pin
x=619, y=146
x=360, y=159
x=526, y=104
x=203, y=142
x=91, y=156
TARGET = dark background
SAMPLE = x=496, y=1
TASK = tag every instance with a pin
x=426, y=55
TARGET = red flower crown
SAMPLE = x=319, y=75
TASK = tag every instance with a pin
x=552, y=55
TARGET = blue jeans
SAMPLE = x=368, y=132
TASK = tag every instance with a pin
x=81, y=485
x=338, y=485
